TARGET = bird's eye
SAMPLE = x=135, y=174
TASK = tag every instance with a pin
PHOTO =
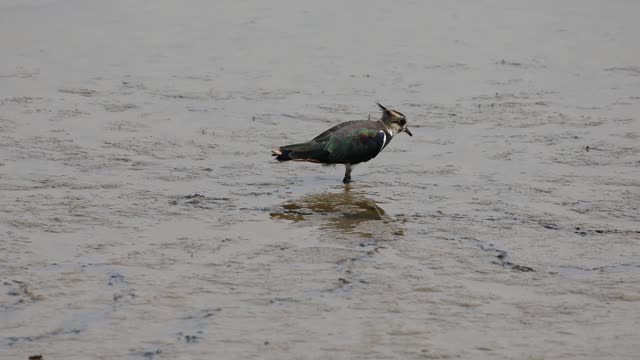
x=403, y=122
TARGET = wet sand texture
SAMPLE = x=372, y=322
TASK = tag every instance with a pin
x=142, y=216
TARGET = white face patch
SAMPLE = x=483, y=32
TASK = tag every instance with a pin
x=389, y=130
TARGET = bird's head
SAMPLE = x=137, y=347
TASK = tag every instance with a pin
x=395, y=121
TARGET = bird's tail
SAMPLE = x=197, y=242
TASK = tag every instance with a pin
x=310, y=151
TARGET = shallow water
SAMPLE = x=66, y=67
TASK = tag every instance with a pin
x=143, y=216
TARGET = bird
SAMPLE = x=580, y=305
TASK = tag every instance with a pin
x=348, y=143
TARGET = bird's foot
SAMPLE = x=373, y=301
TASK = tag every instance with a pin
x=347, y=180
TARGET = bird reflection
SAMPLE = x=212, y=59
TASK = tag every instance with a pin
x=342, y=212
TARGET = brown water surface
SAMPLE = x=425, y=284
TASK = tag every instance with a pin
x=143, y=217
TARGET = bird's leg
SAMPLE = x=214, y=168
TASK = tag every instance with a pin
x=347, y=174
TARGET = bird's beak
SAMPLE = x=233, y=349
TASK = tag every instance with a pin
x=408, y=132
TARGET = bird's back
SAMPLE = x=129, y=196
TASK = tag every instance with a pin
x=348, y=127
x=353, y=142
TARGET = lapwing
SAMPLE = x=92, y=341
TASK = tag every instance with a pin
x=348, y=143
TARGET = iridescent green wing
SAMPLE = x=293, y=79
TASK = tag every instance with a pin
x=353, y=145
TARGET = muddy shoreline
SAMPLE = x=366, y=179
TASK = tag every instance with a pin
x=143, y=217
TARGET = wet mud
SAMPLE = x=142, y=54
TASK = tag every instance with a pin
x=142, y=216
